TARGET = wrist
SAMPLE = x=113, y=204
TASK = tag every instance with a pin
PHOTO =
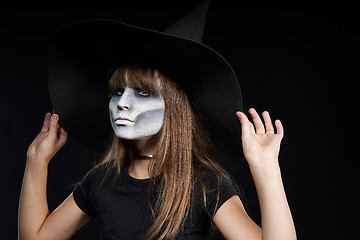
x=265, y=169
x=264, y=163
x=37, y=162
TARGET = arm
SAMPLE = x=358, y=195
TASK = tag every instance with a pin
x=261, y=149
x=34, y=219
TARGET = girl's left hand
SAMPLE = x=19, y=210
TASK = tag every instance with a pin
x=261, y=145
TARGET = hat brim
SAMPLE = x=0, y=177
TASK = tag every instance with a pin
x=82, y=53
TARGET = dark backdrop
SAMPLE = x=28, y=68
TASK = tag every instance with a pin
x=296, y=62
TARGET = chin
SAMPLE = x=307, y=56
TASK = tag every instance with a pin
x=125, y=136
x=129, y=136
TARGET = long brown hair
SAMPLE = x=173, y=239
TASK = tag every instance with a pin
x=181, y=146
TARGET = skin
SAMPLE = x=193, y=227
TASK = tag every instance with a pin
x=147, y=116
x=261, y=148
x=136, y=115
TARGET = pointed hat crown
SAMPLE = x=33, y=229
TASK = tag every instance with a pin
x=192, y=25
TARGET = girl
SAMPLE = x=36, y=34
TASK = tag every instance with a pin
x=159, y=178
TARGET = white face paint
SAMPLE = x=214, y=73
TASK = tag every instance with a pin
x=134, y=114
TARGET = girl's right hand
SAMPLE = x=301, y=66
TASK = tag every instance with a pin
x=49, y=141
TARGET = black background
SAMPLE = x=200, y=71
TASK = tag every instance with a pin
x=297, y=62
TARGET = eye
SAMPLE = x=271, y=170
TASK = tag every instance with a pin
x=118, y=92
x=142, y=92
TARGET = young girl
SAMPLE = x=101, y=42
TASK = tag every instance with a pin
x=159, y=178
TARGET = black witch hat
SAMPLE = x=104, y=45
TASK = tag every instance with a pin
x=82, y=53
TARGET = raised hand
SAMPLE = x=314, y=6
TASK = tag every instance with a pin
x=49, y=141
x=261, y=145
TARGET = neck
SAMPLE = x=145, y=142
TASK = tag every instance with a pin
x=144, y=146
x=139, y=167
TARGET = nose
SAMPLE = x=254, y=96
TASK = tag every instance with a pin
x=123, y=107
x=125, y=100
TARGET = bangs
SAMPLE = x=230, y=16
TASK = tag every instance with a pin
x=134, y=77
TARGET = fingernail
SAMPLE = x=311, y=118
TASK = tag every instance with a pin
x=54, y=117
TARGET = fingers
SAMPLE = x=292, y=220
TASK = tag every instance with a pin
x=279, y=128
x=51, y=125
x=46, y=123
x=54, y=127
x=62, y=135
x=259, y=126
x=268, y=123
x=248, y=127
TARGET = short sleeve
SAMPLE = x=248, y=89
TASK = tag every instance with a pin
x=83, y=192
x=218, y=191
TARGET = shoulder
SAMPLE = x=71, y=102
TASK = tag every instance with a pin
x=91, y=175
x=92, y=179
x=214, y=179
x=213, y=188
x=84, y=189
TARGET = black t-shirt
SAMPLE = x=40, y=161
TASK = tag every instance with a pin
x=123, y=206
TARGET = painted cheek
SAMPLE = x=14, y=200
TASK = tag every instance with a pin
x=149, y=123
x=150, y=105
x=113, y=105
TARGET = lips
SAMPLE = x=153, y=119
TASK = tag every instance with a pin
x=124, y=119
x=121, y=121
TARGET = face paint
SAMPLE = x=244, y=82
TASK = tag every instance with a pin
x=134, y=114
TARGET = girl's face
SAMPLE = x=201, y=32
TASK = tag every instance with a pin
x=134, y=114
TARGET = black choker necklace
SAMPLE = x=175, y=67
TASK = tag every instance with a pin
x=143, y=156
